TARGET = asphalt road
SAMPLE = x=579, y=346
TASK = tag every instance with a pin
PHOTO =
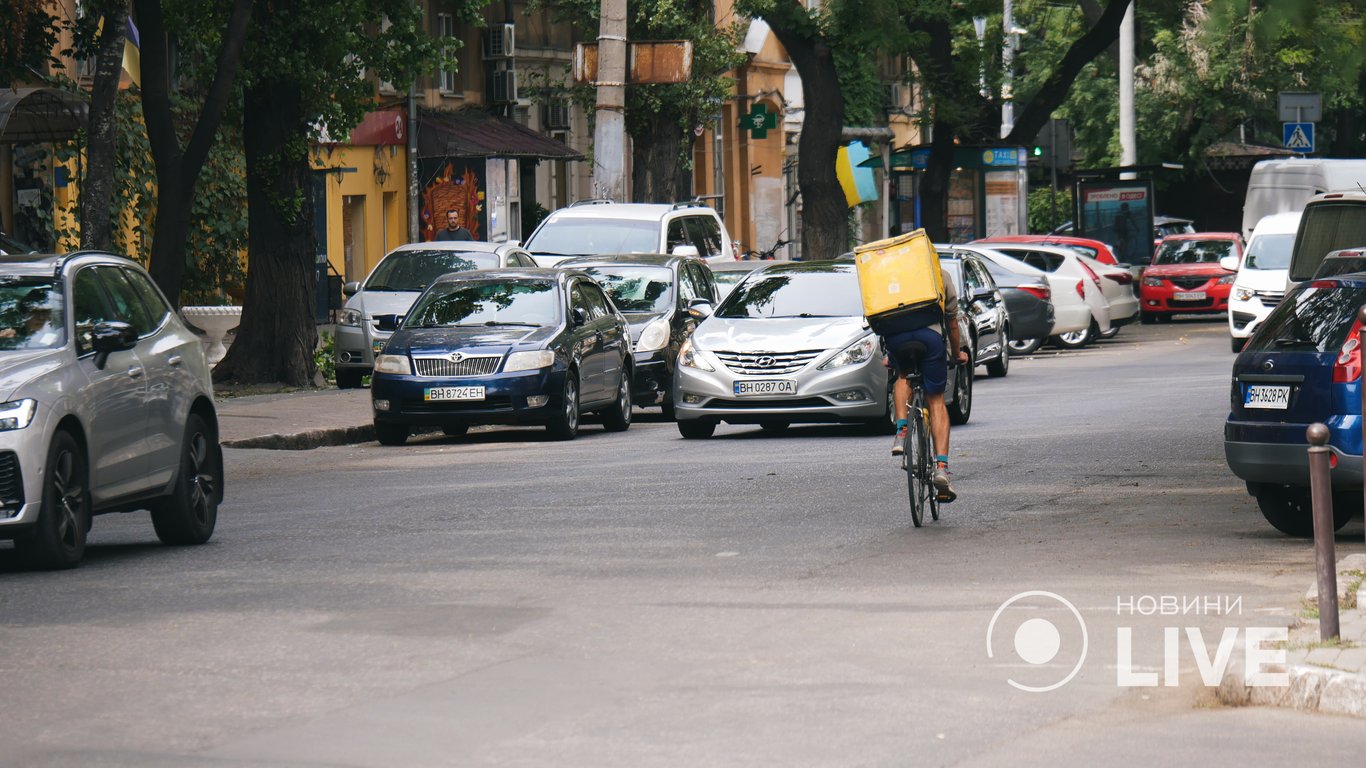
x=638, y=600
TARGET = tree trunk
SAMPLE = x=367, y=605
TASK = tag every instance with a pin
x=656, y=154
x=277, y=337
x=825, y=213
x=97, y=195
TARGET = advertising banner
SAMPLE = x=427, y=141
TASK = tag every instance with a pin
x=1119, y=213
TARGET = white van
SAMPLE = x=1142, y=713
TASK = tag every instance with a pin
x=1277, y=186
x=1260, y=284
x=1332, y=221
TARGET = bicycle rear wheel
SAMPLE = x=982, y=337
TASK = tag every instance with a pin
x=913, y=462
x=927, y=467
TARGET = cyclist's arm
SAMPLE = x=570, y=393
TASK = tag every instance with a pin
x=951, y=316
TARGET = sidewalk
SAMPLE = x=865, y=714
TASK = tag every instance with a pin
x=1324, y=676
x=297, y=420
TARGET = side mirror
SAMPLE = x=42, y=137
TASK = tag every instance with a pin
x=1230, y=263
x=351, y=289
x=110, y=337
x=700, y=309
x=685, y=250
x=578, y=317
x=388, y=322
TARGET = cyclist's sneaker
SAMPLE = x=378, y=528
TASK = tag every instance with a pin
x=899, y=442
x=942, y=486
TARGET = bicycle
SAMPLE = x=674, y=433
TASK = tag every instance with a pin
x=917, y=458
x=767, y=255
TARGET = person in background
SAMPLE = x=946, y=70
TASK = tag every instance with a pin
x=453, y=230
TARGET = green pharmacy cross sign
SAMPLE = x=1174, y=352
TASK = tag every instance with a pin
x=759, y=121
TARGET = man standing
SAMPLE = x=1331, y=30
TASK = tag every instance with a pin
x=453, y=230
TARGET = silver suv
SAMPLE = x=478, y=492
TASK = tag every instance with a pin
x=105, y=406
x=601, y=227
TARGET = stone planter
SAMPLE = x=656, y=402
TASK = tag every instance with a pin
x=215, y=322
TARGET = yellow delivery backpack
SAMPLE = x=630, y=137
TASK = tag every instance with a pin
x=902, y=286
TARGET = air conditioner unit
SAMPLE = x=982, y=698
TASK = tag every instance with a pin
x=500, y=41
x=557, y=114
x=504, y=89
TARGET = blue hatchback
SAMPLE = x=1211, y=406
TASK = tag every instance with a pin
x=1302, y=366
x=524, y=346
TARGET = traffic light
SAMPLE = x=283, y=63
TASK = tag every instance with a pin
x=1059, y=131
x=1037, y=151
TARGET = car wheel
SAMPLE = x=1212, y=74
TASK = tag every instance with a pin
x=1001, y=365
x=458, y=430
x=57, y=539
x=565, y=425
x=189, y=514
x=349, y=378
x=1147, y=318
x=1077, y=339
x=391, y=434
x=960, y=410
x=1237, y=344
x=1287, y=509
x=774, y=427
x=696, y=429
x=1110, y=334
x=618, y=417
x=1025, y=346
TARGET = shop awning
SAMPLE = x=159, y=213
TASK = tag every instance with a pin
x=474, y=133
x=39, y=114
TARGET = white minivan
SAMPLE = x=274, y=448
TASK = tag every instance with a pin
x=1282, y=185
x=1260, y=284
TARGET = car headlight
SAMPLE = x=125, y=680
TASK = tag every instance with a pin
x=655, y=336
x=529, y=361
x=1243, y=294
x=395, y=364
x=351, y=317
x=859, y=352
x=1153, y=282
x=1227, y=279
x=688, y=358
x=17, y=414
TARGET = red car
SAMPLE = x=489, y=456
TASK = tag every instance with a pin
x=1096, y=249
x=1185, y=275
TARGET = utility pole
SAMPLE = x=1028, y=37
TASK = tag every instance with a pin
x=609, y=136
x=1012, y=41
x=414, y=216
x=1128, y=139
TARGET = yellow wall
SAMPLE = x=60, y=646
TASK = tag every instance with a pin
x=370, y=183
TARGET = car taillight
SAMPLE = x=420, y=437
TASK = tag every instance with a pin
x=1123, y=278
x=1081, y=288
x=1348, y=366
x=1038, y=291
x=1094, y=277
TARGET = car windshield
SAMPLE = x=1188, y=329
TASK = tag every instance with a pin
x=1193, y=251
x=570, y=237
x=413, y=271
x=1270, y=252
x=31, y=313
x=796, y=294
x=636, y=289
x=492, y=302
x=1314, y=316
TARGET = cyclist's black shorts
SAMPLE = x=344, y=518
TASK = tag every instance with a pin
x=934, y=366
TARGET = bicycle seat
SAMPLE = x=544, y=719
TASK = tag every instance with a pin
x=914, y=349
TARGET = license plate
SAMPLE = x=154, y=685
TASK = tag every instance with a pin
x=1275, y=398
x=766, y=387
x=453, y=393
x=1189, y=295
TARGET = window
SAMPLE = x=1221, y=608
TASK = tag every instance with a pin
x=597, y=304
x=707, y=235
x=127, y=304
x=693, y=286
x=157, y=307
x=447, y=80
x=1326, y=227
x=980, y=274
x=88, y=307
x=677, y=235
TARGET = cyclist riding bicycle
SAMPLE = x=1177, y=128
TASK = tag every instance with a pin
x=902, y=348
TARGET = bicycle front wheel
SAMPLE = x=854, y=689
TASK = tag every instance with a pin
x=914, y=463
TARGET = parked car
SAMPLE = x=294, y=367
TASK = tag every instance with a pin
x=1117, y=283
x=728, y=274
x=1186, y=275
x=1077, y=276
x=1301, y=366
x=107, y=407
x=598, y=227
x=653, y=293
x=514, y=346
x=1027, y=294
x=1330, y=222
x=1285, y=185
x=1096, y=249
x=790, y=344
x=393, y=285
x=983, y=306
x=1259, y=285
x=1162, y=227
x=1342, y=262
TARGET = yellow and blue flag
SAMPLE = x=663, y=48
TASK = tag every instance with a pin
x=858, y=183
x=132, y=52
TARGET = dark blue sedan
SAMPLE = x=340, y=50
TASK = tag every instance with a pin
x=1302, y=366
x=513, y=346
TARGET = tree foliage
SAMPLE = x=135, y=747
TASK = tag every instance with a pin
x=28, y=37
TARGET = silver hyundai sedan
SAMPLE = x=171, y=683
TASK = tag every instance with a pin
x=789, y=344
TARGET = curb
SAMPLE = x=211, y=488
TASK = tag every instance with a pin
x=1311, y=689
x=308, y=440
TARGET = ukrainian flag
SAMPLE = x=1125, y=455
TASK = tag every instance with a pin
x=132, y=53
x=858, y=183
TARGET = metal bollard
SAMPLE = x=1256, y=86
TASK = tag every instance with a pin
x=1321, y=490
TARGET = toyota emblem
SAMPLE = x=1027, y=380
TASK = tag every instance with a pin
x=457, y=357
x=766, y=362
